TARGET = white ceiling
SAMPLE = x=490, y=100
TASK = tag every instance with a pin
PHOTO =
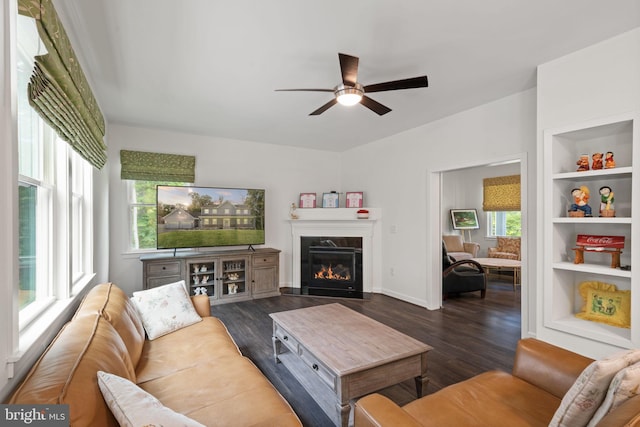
x=210, y=67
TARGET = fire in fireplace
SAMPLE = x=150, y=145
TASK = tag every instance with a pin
x=332, y=266
x=339, y=272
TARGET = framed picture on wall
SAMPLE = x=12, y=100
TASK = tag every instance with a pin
x=354, y=199
x=330, y=200
x=464, y=219
x=307, y=200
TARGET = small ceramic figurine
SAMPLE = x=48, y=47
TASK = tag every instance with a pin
x=200, y=291
x=597, y=161
x=608, y=160
x=581, y=200
x=292, y=211
x=583, y=163
x=607, y=207
x=196, y=280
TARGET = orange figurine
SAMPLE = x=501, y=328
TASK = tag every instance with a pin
x=597, y=161
x=583, y=163
x=608, y=160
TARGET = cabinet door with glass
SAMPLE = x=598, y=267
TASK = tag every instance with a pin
x=234, y=277
x=203, y=277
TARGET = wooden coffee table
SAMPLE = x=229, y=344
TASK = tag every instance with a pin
x=339, y=355
x=500, y=264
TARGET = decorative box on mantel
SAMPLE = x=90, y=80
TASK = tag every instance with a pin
x=341, y=222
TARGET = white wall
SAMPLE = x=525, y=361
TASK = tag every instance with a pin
x=463, y=189
x=599, y=81
x=284, y=172
x=394, y=171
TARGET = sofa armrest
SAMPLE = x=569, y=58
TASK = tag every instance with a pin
x=547, y=366
x=375, y=410
x=201, y=304
x=472, y=248
x=627, y=414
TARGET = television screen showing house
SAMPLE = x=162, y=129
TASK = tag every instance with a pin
x=191, y=217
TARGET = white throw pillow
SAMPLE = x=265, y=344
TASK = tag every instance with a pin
x=165, y=309
x=134, y=407
x=584, y=397
x=624, y=386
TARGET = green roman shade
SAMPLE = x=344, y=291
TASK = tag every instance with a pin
x=58, y=89
x=144, y=166
x=501, y=193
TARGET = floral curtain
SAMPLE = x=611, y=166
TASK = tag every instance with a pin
x=501, y=193
x=144, y=166
x=58, y=89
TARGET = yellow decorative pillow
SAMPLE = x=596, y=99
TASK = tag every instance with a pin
x=610, y=307
x=584, y=287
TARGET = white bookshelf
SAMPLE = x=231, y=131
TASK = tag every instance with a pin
x=561, y=277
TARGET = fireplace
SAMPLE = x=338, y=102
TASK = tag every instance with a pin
x=313, y=226
x=331, y=266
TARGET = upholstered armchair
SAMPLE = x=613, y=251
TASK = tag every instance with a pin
x=462, y=276
x=459, y=249
x=506, y=247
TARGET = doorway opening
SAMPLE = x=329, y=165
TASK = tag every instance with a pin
x=453, y=190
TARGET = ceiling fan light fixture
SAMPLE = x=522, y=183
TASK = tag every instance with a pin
x=349, y=95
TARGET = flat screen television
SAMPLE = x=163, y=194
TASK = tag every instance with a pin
x=195, y=217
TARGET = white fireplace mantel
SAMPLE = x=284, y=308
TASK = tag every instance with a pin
x=340, y=222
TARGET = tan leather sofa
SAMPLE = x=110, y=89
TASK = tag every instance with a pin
x=458, y=248
x=197, y=371
x=529, y=396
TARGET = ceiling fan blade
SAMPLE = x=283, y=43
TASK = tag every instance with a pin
x=349, y=69
x=304, y=90
x=324, y=108
x=411, y=83
x=374, y=106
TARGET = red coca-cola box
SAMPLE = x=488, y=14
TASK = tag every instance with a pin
x=593, y=243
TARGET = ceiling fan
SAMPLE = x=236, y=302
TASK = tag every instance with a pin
x=350, y=92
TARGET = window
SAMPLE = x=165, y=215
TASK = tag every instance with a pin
x=81, y=220
x=503, y=223
x=55, y=201
x=143, y=213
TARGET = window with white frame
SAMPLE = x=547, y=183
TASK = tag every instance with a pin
x=55, y=200
x=143, y=213
x=503, y=223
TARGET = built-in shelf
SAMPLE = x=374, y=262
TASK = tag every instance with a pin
x=592, y=269
x=595, y=174
x=593, y=220
x=561, y=276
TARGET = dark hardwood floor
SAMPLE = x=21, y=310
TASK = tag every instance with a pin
x=469, y=335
